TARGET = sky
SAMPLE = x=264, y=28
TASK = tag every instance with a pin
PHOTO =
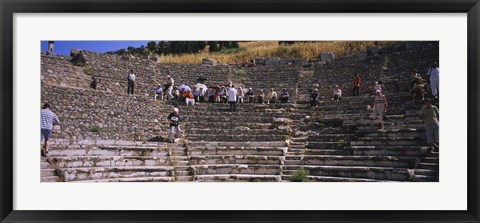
x=64, y=47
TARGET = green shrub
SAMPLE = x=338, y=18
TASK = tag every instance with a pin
x=301, y=175
x=95, y=129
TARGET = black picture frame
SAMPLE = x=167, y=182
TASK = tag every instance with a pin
x=9, y=7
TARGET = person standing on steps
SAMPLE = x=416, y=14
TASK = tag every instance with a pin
x=379, y=86
x=47, y=120
x=175, y=131
x=250, y=95
x=50, y=47
x=314, y=98
x=356, y=84
x=433, y=74
x=131, y=82
x=430, y=116
x=232, y=98
x=241, y=95
x=169, y=86
x=379, y=108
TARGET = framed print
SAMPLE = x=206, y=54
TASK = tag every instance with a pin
x=239, y=111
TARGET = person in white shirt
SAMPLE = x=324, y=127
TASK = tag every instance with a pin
x=131, y=82
x=379, y=86
x=169, y=86
x=337, y=93
x=241, y=95
x=272, y=96
x=379, y=108
x=433, y=73
x=232, y=98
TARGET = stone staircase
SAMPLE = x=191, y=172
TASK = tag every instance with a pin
x=108, y=136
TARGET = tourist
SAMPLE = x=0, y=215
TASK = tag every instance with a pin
x=211, y=95
x=182, y=94
x=232, y=98
x=218, y=95
x=272, y=96
x=284, y=96
x=176, y=93
x=419, y=88
x=175, y=131
x=314, y=98
x=189, y=98
x=158, y=92
x=430, y=116
x=169, y=85
x=356, y=84
x=379, y=108
x=261, y=97
x=131, y=82
x=379, y=86
x=433, y=74
x=196, y=94
x=94, y=83
x=50, y=47
x=201, y=95
x=241, y=95
x=415, y=77
x=224, y=94
x=250, y=95
x=337, y=93
x=47, y=120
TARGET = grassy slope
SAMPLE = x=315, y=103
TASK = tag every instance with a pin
x=248, y=50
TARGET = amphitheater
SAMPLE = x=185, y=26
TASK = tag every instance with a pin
x=107, y=136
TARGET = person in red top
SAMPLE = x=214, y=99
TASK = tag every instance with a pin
x=189, y=98
x=356, y=84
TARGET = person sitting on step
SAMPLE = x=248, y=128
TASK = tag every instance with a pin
x=201, y=95
x=189, y=98
x=337, y=93
x=284, y=96
x=196, y=94
x=261, y=97
x=272, y=96
x=158, y=92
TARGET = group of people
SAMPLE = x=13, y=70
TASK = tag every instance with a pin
x=420, y=85
x=217, y=94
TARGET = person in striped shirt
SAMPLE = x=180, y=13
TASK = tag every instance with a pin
x=47, y=120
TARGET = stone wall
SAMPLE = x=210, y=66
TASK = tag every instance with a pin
x=89, y=114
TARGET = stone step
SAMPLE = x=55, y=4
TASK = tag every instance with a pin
x=47, y=172
x=132, y=179
x=221, y=132
x=428, y=166
x=237, y=178
x=423, y=178
x=96, y=173
x=377, y=173
x=386, y=142
x=117, y=161
x=330, y=179
x=325, y=145
x=196, y=144
x=79, y=150
x=236, y=159
x=184, y=178
x=235, y=151
x=236, y=169
x=234, y=138
x=370, y=150
x=50, y=179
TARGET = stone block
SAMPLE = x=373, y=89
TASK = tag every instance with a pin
x=361, y=55
x=272, y=61
x=327, y=56
x=209, y=61
x=373, y=50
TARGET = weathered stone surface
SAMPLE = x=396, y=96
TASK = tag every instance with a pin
x=373, y=50
x=327, y=56
x=209, y=61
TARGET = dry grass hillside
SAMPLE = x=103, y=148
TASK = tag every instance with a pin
x=248, y=50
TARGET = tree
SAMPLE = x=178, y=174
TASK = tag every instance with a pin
x=152, y=45
x=213, y=46
x=131, y=49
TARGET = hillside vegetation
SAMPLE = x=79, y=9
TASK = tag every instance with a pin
x=248, y=50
